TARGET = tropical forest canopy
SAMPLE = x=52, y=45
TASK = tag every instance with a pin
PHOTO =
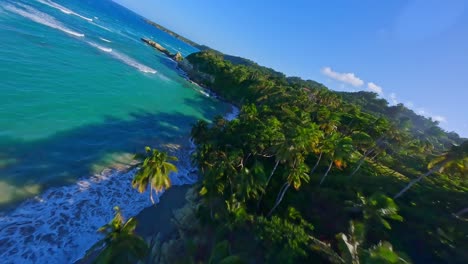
x=308, y=175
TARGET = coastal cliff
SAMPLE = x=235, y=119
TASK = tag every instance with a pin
x=195, y=75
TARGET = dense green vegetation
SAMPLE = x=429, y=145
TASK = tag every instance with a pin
x=345, y=155
x=120, y=243
x=308, y=175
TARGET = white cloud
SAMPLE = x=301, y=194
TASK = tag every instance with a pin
x=375, y=88
x=439, y=118
x=393, y=98
x=349, y=78
x=409, y=104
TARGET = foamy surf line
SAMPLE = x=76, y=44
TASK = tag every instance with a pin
x=103, y=27
x=63, y=9
x=105, y=40
x=123, y=58
x=102, y=48
x=40, y=18
x=60, y=225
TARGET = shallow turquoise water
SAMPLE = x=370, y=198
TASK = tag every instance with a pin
x=79, y=93
x=73, y=91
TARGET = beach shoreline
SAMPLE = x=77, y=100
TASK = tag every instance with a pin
x=156, y=219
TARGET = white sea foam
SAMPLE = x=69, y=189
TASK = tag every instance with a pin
x=103, y=27
x=123, y=58
x=105, y=40
x=204, y=93
x=127, y=60
x=60, y=225
x=41, y=18
x=102, y=48
x=63, y=9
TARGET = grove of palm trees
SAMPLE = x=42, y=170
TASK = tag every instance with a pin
x=308, y=175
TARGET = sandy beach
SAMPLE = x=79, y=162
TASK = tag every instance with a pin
x=157, y=219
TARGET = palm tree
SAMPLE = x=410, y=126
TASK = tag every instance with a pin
x=154, y=172
x=460, y=213
x=351, y=250
x=292, y=152
x=339, y=149
x=377, y=208
x=447, y=160
x=199, y=131
x=362, y=140
x=296, y=175
x=121, y=244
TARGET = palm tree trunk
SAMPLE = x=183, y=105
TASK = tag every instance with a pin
x=361, y=161
x=326, y=250
x=413, y=182
x=283, y=190
x=461, y=212
x=375, y=156
x=271, y=174
x=211, y=210
x=316, y=164
x=326, y=173
x=266, y=185
x=151, y=194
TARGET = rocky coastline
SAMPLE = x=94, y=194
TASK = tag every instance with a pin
x=188, y=71
x=176, y=56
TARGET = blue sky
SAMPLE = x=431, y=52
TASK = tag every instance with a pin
x=410, y=51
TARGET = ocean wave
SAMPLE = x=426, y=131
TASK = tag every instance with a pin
x=63, y=9
x=105, y=49
x=123, y=58
x=41, y=18
x=129, y=61
x=105, y=40
x=103, y=27
x=60, y=225
x=204, y=93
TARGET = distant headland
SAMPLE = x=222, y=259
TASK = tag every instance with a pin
x=177, y=36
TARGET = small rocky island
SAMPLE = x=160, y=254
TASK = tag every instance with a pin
x=176, y=57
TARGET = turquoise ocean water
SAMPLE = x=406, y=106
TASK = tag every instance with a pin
x=79, y=92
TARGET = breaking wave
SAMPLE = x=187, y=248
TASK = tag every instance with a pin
x=102, y=48
x=105, y=40
x=63, y=9
x=61, y=224
x=123, y=58
x=40, y=17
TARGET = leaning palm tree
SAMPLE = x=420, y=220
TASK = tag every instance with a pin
x=154, y=171
x=448, y=159
x=351, y=249
x=339, y=149
x=121, y=244
x=377, y=209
